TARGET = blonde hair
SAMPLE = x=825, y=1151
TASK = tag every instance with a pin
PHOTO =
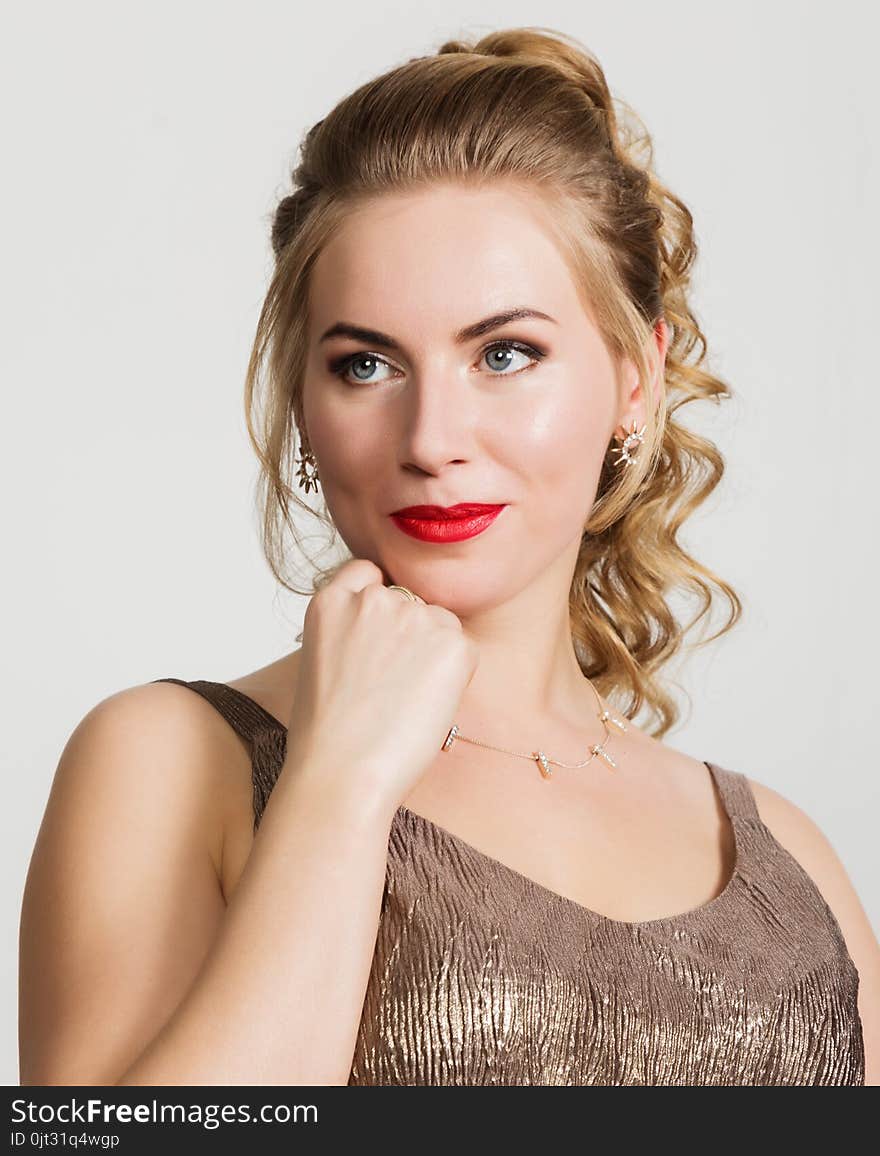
x=529, y=106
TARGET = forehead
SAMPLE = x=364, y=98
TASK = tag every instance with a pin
x=439, y=258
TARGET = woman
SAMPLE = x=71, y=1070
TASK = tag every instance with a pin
x=425, y=848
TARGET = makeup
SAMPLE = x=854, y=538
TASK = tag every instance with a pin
x=453, y=524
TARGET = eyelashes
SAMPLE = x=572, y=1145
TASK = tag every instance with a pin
x=340, y=366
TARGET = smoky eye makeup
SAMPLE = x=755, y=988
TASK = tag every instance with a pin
x=339, y=366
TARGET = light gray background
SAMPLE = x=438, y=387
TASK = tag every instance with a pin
x=145, y=147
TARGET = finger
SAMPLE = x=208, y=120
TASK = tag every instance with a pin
x=357, y=573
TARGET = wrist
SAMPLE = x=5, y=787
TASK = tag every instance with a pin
x=353, y=796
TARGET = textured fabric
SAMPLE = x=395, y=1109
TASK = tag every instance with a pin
x=483, y=976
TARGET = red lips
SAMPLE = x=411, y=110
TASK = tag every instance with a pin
x=446, y=523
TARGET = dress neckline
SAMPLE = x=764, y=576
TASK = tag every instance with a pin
x=703, y=910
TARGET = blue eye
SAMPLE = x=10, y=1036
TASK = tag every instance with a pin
x=343, y=365
x=508, y=347
x=368, y=359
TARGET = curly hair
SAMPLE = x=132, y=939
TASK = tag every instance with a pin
x=530, y=106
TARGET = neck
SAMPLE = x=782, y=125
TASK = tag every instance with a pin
x=528, y=689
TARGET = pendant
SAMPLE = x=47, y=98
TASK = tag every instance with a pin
x=600, y=750
x=450, y=739
x=609, y=717
x=543, y=765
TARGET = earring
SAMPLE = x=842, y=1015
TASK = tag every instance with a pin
x=630, y=443
x=307, y=480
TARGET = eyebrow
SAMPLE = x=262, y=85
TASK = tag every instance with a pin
x=469, y=333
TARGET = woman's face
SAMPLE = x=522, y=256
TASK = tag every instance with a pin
x=439, y=419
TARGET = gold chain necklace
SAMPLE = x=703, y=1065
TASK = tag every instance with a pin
x=543, y=761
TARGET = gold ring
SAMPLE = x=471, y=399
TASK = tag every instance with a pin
x=408, y=593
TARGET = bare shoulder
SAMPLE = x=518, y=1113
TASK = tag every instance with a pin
x=122, y=897
x=176, y=743
x=800, y=835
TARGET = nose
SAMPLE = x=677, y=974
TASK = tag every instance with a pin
x=438, y=421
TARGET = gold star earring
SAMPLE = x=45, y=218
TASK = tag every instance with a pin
x=629, y=445
x=307, y=474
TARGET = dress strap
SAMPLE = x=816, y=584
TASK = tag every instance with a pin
x=243, y=714
x=736, y=794
x=265, y=734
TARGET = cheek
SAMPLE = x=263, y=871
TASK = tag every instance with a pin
x=351, y=456
x=559, y=456
x=557, y=461
x=346, y=446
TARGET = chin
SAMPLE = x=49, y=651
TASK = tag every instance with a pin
x=460, y=588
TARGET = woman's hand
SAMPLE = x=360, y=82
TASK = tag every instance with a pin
x=379, y=681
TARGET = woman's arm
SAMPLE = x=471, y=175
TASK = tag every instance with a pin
x=803, y=839
x=132, y=968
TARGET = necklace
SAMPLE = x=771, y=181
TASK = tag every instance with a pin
x=544, y=761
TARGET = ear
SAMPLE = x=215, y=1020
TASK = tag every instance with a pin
x=634, y=399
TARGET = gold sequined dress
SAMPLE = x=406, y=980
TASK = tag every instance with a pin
x=482, y=976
